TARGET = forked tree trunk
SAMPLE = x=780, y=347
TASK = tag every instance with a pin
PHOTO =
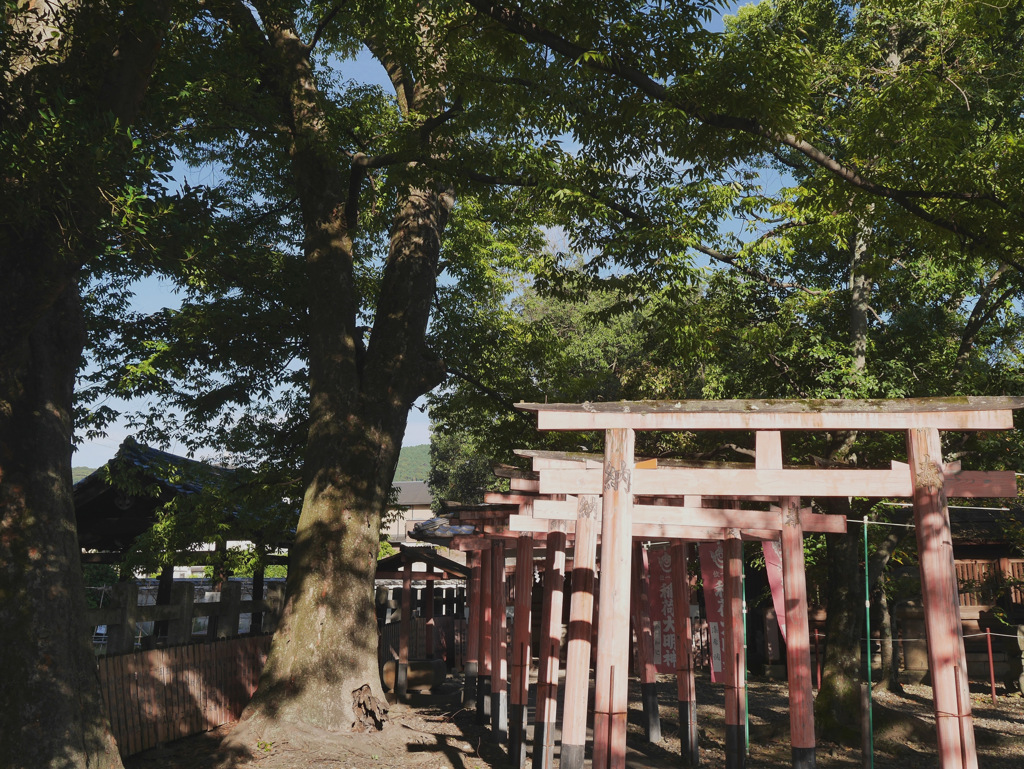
x=51, y=713
x=322, y=669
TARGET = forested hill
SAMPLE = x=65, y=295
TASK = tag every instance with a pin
x=413, y=463
x=78, y=473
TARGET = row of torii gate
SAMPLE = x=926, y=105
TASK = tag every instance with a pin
x=620, y=502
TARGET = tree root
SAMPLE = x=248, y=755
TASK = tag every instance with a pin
x=371, y=712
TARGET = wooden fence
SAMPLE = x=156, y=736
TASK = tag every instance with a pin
x=982, y=581
x=449, y=641
x=165, y=694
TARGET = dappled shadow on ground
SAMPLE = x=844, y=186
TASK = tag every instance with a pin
x=437, y=733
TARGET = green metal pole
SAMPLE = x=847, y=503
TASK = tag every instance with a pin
x=867, y=626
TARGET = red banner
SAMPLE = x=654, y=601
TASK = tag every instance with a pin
x=712, y=570
x=663, y=610
x=773, y=565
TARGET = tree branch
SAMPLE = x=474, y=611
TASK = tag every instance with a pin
x=515, y=21
x=322, y=26
x=505, y=402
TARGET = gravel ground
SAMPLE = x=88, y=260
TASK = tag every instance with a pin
x=439, y=735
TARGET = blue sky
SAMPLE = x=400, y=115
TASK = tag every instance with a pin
x=153, y=294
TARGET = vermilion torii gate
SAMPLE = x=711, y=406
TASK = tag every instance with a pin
x=925, y=478
x=510, y=515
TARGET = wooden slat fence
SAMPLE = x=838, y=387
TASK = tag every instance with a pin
x=449, y=641
x=1017, y=581
x=976, y=579
x=982, y=581
x=165, y=694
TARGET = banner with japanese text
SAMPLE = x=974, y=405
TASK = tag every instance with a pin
x=712, y=571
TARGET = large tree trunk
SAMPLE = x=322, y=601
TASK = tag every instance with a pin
x=323, y=662
x=88, y=63
x=322, y=670
x=837, y=706
x=51, y=713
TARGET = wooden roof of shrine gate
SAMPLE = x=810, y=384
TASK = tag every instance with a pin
x=393, y=567
x=958, y=413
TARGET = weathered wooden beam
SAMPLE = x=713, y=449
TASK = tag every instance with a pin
x=521, y=656
x=686, y=691
x=798, y=638
x=428, y=615
x=648, y=531
x=680, y=515
x=734, y=663
x=640, y=605
x=472, y=665
x=611, y=670
x=549, y=653
x=580, y=632
x=404, y=629
x=499, y=645
x=895, y=482
x=989, y=413
x=947, y=661
x=523, y=484
x=483, y=694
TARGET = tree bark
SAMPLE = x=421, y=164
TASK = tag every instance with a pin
x=322, y=668
x=100, y=60
x=837, y=706
x=51, y=714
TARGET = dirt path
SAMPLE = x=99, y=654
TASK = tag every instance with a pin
x=445, y=736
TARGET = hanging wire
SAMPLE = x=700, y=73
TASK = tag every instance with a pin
x=951, y=507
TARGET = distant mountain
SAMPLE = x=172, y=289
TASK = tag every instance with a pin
x=413, y=463
x=78, y=473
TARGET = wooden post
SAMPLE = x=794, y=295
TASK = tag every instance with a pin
x=734, y=664
x=611, y=672
x=121, y=635
x=483, y=693
x=258, y=584
x=580, y=632
x=472, y=629
x=163, y=597
x=275, y=606
x=946, y=658
x=179, y=631
x=548, y=654
x=404, y=630
x=521, y=655
x=685, y=683
x=499, y=645
x=641, y=609
x=229, y=609
x=794, y=586
x=428, y=613
x=798, y=639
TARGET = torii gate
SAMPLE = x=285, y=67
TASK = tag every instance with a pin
x=524, y=511
x=925, y=478
x=660, y=520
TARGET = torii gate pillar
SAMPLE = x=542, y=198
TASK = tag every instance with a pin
x=946, y=658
